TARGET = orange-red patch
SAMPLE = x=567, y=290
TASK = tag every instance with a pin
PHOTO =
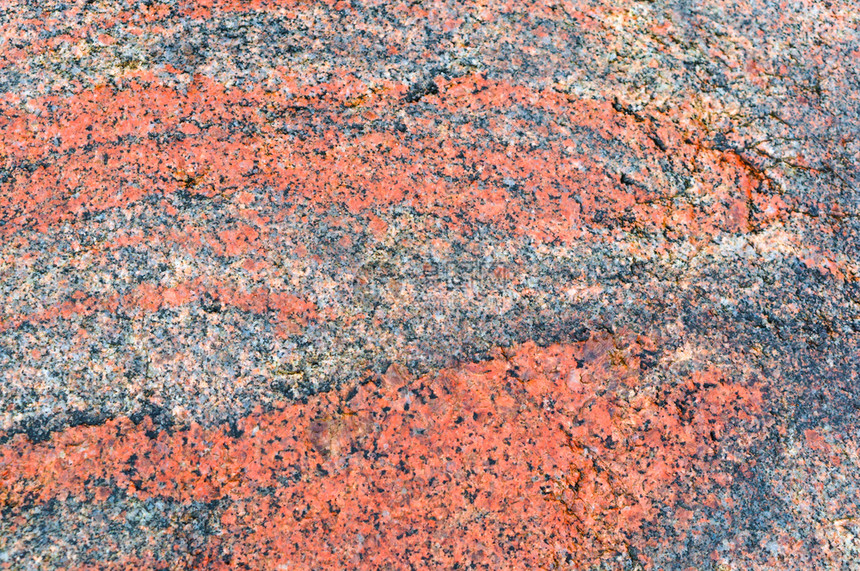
x=538, y=455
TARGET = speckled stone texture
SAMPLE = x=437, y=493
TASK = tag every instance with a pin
x=404, y=285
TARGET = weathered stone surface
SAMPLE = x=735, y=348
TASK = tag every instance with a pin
x=363, y=284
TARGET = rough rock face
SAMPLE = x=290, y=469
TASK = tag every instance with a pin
x=290, y=284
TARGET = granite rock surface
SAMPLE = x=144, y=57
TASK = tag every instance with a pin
x=478, y=285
